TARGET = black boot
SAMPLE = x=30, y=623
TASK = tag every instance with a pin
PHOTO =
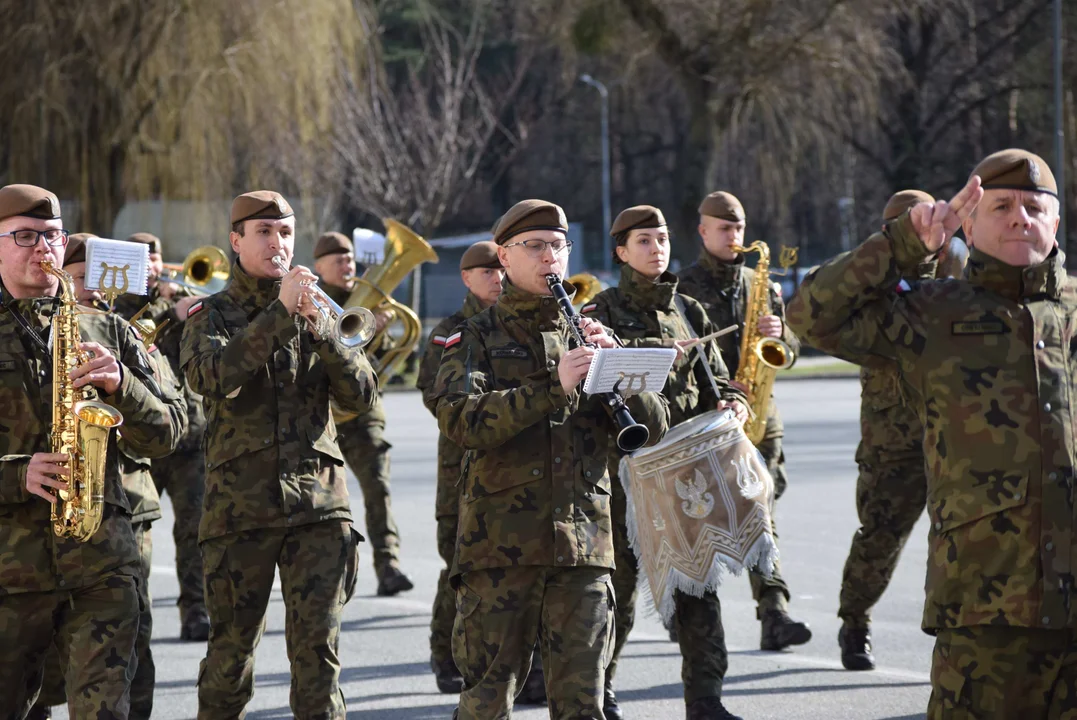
x=447, y=677
x=609, y=704
x=779, y=631
x=855, y=646
x=391, y=582
x=194, y=625
x=39, y=712
x=709, y=708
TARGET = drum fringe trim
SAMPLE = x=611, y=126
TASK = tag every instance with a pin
x=763, y=555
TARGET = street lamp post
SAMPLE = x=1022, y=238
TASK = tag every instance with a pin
x=607, y=250
x=1060, y=133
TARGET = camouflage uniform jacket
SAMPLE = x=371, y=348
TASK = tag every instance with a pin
x=450, y=455
x=168, y=341
x=992, y=358
x=534, y=488
x=271, y=453
x=890, y=427
x=32, y=558
x=722, y=289
x=644, y=314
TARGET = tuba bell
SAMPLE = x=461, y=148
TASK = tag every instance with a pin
x=587, y=286
x=204, y=271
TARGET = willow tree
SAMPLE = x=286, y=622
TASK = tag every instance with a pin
x=130, y=99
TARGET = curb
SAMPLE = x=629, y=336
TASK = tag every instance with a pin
x=843, y=375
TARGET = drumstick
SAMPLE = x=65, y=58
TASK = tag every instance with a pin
x=707, y=338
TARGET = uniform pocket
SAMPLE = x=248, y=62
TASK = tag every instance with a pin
x=220, y=599
x=467, y=645
x=611, y=622
x=351, y=566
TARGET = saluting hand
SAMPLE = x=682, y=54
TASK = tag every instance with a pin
x=101, y=371
x=45, y=473
x=574, y=366
x=292, y=286
x=935, y=223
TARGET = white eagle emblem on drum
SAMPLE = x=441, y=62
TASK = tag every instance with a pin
x=698, y=503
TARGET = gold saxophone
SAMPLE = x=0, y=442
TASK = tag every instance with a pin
x=760, y=357
x=80, y=424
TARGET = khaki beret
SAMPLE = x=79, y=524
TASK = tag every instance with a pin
x=722, y=205
x=332, y=243
x=147, y=239
x=1016, y=169
x=260, y=204
x=76, y=248
x=480, y=255
x=902, y=200
x=634, y=218
x=529, y=215
x=28, y=201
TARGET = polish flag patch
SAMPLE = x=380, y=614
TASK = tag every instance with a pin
x=452, y=340
x=439, y=340
x=903, y=287
x=195, y=309
x=588, y=308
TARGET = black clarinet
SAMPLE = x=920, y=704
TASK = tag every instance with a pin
x=631, y=435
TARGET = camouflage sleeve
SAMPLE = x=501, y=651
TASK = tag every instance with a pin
x=154, y=415
x=475, y=417
x=13, y=479
x=651, y=409
x=428, y=368
x=846, y=307
x=352, y=381
x=216, y=364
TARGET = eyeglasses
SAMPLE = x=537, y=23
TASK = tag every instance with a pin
x=536, y=247
x=29, y=238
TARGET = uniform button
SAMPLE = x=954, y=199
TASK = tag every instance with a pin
x=280, y=385
x=1053, y=476
x=1017, y=496
x=588, y=473
x=557, y=511
x=1049, y=546
x=464, y=496
x=1047, y=407
x=1030, y=273
x=536, y=471
x=560, y=558
x=1039, y=345
x=557, y=459
x=1046, y=620
x=62, y=583
x=267, y=441
x=284, y=476
x=938, y=526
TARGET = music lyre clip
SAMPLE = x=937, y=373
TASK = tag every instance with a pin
x=112, y=290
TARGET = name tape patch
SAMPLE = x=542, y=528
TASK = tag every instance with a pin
x=985, y=327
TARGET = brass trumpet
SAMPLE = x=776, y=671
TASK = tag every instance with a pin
x=354, y=327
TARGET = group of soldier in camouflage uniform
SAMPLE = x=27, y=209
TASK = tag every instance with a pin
x=965, y=410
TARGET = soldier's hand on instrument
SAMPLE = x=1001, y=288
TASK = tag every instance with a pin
x=292, y=286
x=681, y=346
x=574, y=366
x=737, y=407
x=44, y=473
x=102, y=370
x=935, y=223
x=595, y=332
x=770, y=326
x=381, y=319
x=184, y=304
x=309, y=311
x=739, y=386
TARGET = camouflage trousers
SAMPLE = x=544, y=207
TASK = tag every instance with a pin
x=1003, y=673
x=183, y=476
x=53, y=688
x=772, y=592
x=890, y=498
x=362, y=441
x=444, y=611
x=500, y=614
x=700, y=634
x=94, y=628
x=318, y=567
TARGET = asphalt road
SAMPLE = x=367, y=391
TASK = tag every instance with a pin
x=384, y=641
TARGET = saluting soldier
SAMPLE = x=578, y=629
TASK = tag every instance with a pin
x=145, y=509
x=534, y=546
x=991, y=359
x=482, y=274
x=276, y=492
x=362, y=439
x=60, y=592
x=892, y=485
x=720, y=281
x=183, y=474
x=645, y=310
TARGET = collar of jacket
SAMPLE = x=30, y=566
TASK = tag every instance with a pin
x=29, y=307
x=725, y=273
x=924, y=271
x=472, y=305
x=648, y=294
x=530, y=310
x=1018, y=283
x=250, y=292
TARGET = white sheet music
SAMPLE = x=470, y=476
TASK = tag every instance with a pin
x=116, y=263
x=635, y=369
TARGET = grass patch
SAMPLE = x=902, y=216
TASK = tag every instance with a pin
x=832, y=367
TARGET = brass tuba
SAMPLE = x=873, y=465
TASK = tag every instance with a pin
x=205, y=271
x=405, y=250
x=587, y=286
x=760, y=357
x=80, y=424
